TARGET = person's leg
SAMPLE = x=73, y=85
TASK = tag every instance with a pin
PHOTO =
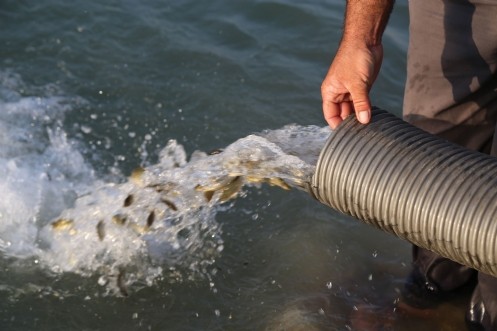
x=451, y=91
x=451, y=80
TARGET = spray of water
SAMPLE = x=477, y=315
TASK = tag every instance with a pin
x=161, y=220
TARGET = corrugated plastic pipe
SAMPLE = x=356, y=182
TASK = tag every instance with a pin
x=433, y=193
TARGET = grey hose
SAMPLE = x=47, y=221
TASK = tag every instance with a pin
x=433, y=193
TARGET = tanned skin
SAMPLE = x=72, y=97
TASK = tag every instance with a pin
x=354, y=69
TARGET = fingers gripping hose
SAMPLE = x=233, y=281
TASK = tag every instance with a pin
x=433, y=193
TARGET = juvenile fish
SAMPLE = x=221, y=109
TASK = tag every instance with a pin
x=137, y=176
x=150, y=219
x=119, y=219
x=101, y=230
x=128, y=201
x=62, y=223
x=170, y=204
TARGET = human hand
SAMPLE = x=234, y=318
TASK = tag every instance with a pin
x=346, y=86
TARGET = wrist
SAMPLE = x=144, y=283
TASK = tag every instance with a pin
x=365, y=21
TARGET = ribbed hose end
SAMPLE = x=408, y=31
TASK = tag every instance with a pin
x=405, y=181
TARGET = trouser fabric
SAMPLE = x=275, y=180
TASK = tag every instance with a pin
x=451, y=91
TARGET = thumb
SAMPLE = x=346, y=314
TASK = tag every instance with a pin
x=362, y=106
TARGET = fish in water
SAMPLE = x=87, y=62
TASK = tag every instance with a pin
x=150, y=219
x=137, y=175
x=169, y=203
x=216, y=151
x=101, y=230
x=119, y=219
x=62, y=224
x=275, y=181
x=227, y=189
x=128, y=201
x=121, y=283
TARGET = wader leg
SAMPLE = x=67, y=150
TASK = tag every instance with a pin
x=451, y=91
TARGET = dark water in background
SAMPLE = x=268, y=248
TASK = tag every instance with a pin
x=107, y=84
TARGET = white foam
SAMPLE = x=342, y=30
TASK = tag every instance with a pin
x=37, y=163
x=55, y=208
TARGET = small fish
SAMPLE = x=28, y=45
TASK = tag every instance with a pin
x=216, y=186
x=276, y=181
x=231, y=190
x=137, y=175
x=121, y=283
x=128, y=201
x=157, y=187
x=150, y=218
x=162, y=187
x=208, y=195
x=139, y=229
x=101, y=230
x=255, y=180
x=62, y=224
x=170, y=204
x=279, y=182
x=216, y=151
x=228, y=188
x=119, y=219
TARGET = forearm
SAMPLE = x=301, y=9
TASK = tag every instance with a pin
x=365, y=21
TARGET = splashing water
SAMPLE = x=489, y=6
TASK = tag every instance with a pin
x=160, y=221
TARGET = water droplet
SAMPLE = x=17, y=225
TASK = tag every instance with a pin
x=102, y=281
x=217, y=312
x=86, y=129
x=329, y=285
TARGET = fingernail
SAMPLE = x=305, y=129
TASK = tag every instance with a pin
x=363, y=116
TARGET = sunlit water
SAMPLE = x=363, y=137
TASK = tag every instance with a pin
x=154, y=156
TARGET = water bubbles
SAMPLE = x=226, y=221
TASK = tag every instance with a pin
x=86, y=129
x=329, y=285
x=217, y=312
x=102, y=281
x=169, y=228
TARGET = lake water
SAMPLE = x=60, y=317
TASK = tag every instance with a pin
x=91, y=91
